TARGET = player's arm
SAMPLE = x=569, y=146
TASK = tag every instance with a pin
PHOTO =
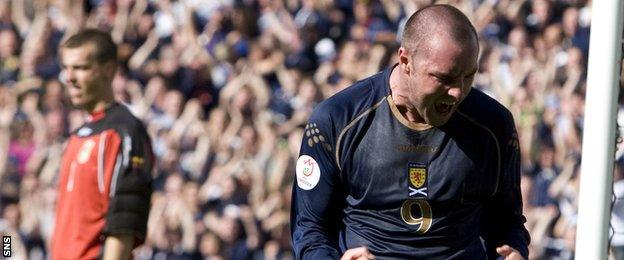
x=130, y=188
x=118, y=247
x=505, y=207
x=317, y=200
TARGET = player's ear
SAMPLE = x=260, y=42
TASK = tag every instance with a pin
x=110, y=67
x=404, y=60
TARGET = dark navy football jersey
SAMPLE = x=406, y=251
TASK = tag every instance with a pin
x=366, y=176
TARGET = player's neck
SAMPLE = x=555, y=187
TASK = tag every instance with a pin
x=100, y=106
x=408, y=111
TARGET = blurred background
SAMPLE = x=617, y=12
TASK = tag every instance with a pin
x=225, y=88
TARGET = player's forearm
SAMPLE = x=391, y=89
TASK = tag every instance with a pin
x=518, y=238
x=314, y=234
x=516, y=234
x=316, y=251
x=313, y=237
x=507, y=211
x=118, y=247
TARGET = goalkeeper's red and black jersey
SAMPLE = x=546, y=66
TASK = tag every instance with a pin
x=105, y=184
x=366, y=176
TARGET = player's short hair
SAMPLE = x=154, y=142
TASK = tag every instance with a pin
x=434, y=19
x=105, y=49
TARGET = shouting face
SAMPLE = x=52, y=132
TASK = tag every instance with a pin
x=437, y=78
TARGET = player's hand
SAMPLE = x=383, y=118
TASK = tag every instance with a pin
x=358, y=253
x=509, y=253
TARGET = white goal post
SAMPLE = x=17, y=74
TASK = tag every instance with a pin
x=605, y=47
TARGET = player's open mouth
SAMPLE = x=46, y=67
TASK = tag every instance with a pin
x=444, y=107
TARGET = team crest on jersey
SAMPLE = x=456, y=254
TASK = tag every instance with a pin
x=418, y=177
x=85, y=151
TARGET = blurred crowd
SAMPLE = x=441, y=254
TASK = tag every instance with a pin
x=225, y=88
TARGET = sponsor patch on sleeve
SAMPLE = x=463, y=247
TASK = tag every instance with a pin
x=137, y=161
x=308, y=172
